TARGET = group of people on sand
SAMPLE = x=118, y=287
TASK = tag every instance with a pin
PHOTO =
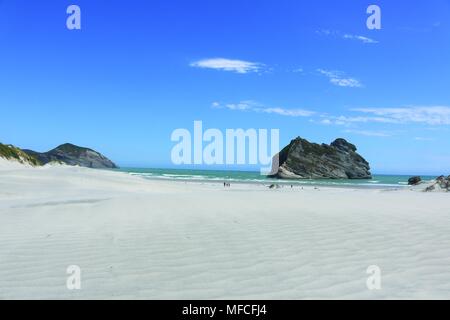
x=272, y=186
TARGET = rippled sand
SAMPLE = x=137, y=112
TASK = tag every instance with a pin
x=136, y=238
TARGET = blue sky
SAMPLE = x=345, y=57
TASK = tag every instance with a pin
x=137, y=70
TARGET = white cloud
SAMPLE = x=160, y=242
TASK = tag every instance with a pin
x=423, y=139
x=359, y=38
x=368, y=133
x=346, y=36
x=243, y=105
x=326, y=32
x=339, y=79
x=326, y=121
x=287, y=112
x=238, y=66
x=249, y=105
x=329, y=74
x=352, y=120
x=215, y=104
x=432, y=115
x=348, y=82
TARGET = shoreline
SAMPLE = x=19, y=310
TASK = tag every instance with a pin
x=235, y=177
x=283, y=183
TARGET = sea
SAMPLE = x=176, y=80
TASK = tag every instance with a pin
x=250, y=177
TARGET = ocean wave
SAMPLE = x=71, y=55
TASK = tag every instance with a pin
x=141, y=174
x=255, y=178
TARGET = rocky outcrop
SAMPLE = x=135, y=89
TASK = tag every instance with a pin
x=302, y=159
x=73, y=155
x=441, y=184
x=413, y=181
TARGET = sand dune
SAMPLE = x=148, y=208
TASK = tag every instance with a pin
x=137, y=238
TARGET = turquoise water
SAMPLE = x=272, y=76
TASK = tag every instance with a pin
x=382, y=181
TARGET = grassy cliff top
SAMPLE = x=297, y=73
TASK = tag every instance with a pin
x=13, y=153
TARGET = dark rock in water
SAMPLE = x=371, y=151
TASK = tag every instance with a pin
x=73, y=155
x=414, y=181
x=302, y=159
x=430, y=188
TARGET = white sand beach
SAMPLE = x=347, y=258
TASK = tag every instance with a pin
x=146, y=239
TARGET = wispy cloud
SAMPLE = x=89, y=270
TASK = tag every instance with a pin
x=242, y=106
x=369, y=133
x=287, y=112
x=422, y=28
x=359, y=38
x=249, y=105
x=346, y=36
x=432, y=115
x=423, y=139
x=351, y=120
x=237, y=66
x=339, y=79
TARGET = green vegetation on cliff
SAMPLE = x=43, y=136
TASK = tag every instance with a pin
x=13, y=153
